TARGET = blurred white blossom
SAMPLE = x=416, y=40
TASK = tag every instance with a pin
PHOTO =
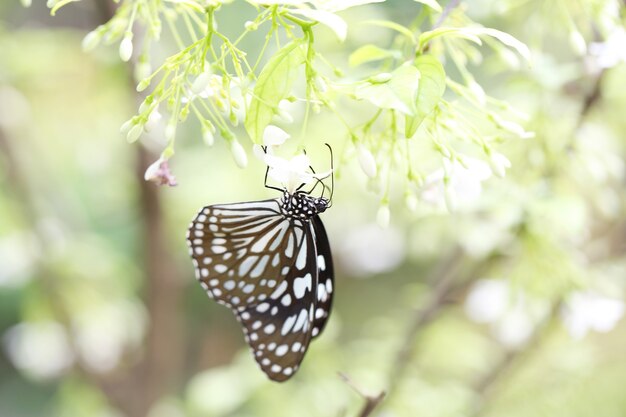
x=39, y=349
x=371, y=249
x=103, y=333
x=586, y=311
x=511, y=314
x=611, y=52
x=455, y=184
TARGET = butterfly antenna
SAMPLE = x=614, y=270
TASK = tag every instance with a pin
x=332, y=174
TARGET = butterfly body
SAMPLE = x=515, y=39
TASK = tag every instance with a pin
x=270, y=262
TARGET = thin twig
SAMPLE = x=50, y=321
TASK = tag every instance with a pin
x=444, y=277
x=452, y=4
x=370, y=401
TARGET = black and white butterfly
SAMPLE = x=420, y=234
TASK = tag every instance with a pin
x=270, y=262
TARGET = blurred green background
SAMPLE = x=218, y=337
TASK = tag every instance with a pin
x=511, y=306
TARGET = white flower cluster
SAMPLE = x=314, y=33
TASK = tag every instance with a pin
x=290, y=173
x=513, y=315
x=458, y=183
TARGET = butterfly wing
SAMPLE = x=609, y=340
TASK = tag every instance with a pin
x=238, y=250
x=263, y=266
x=279, y=329
x=326, y=276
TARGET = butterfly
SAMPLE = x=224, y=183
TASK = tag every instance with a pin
x=270, y=262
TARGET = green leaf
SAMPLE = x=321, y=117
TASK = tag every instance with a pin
x=334, y=22
x=505, y=38
x=431, y=88
x=273, y=85
x=464, y=33
x=392, y=25
x=57, y=6
x=431, y=3
x=398, y=93
x=472, y=34
x=368, y=53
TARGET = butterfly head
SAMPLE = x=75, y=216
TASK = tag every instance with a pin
x=301, y=205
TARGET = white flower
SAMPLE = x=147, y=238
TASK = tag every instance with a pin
x=610, y=52
x=159, y=173
x=455, y=184
x=586, y=311
x=290, y=173
x=153, y=120
x=274, y=136
x=201, y=83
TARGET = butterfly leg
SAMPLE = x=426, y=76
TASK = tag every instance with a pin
x=267, y=170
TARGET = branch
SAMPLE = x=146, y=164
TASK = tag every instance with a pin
x=452, y=4
x=487, y=386
x=370, y=401
x=444, y=277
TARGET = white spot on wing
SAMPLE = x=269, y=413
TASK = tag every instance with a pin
x=300, y=285
x=321, y=262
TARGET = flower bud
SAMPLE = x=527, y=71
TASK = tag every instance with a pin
x=91, y=40
x=499, y=163
x=320, y=84
x=249, y=25
x=26, y=3
x=128, y=124
x=233, y=119
x=184, y=112
x=367, y=161
x=170, y=131
x=478, y=92
x=284, y=116
x=126, y=47
x=207, y=135
x=143, y=69
x=449, y=198
x=239, y=154
x=381, y=78
x=134, y=133
x=578, y=43
x=146, y=104
x=143, y=84
x=201, y=82
x=411, y=201
x=153, y=119
x=383, y=216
